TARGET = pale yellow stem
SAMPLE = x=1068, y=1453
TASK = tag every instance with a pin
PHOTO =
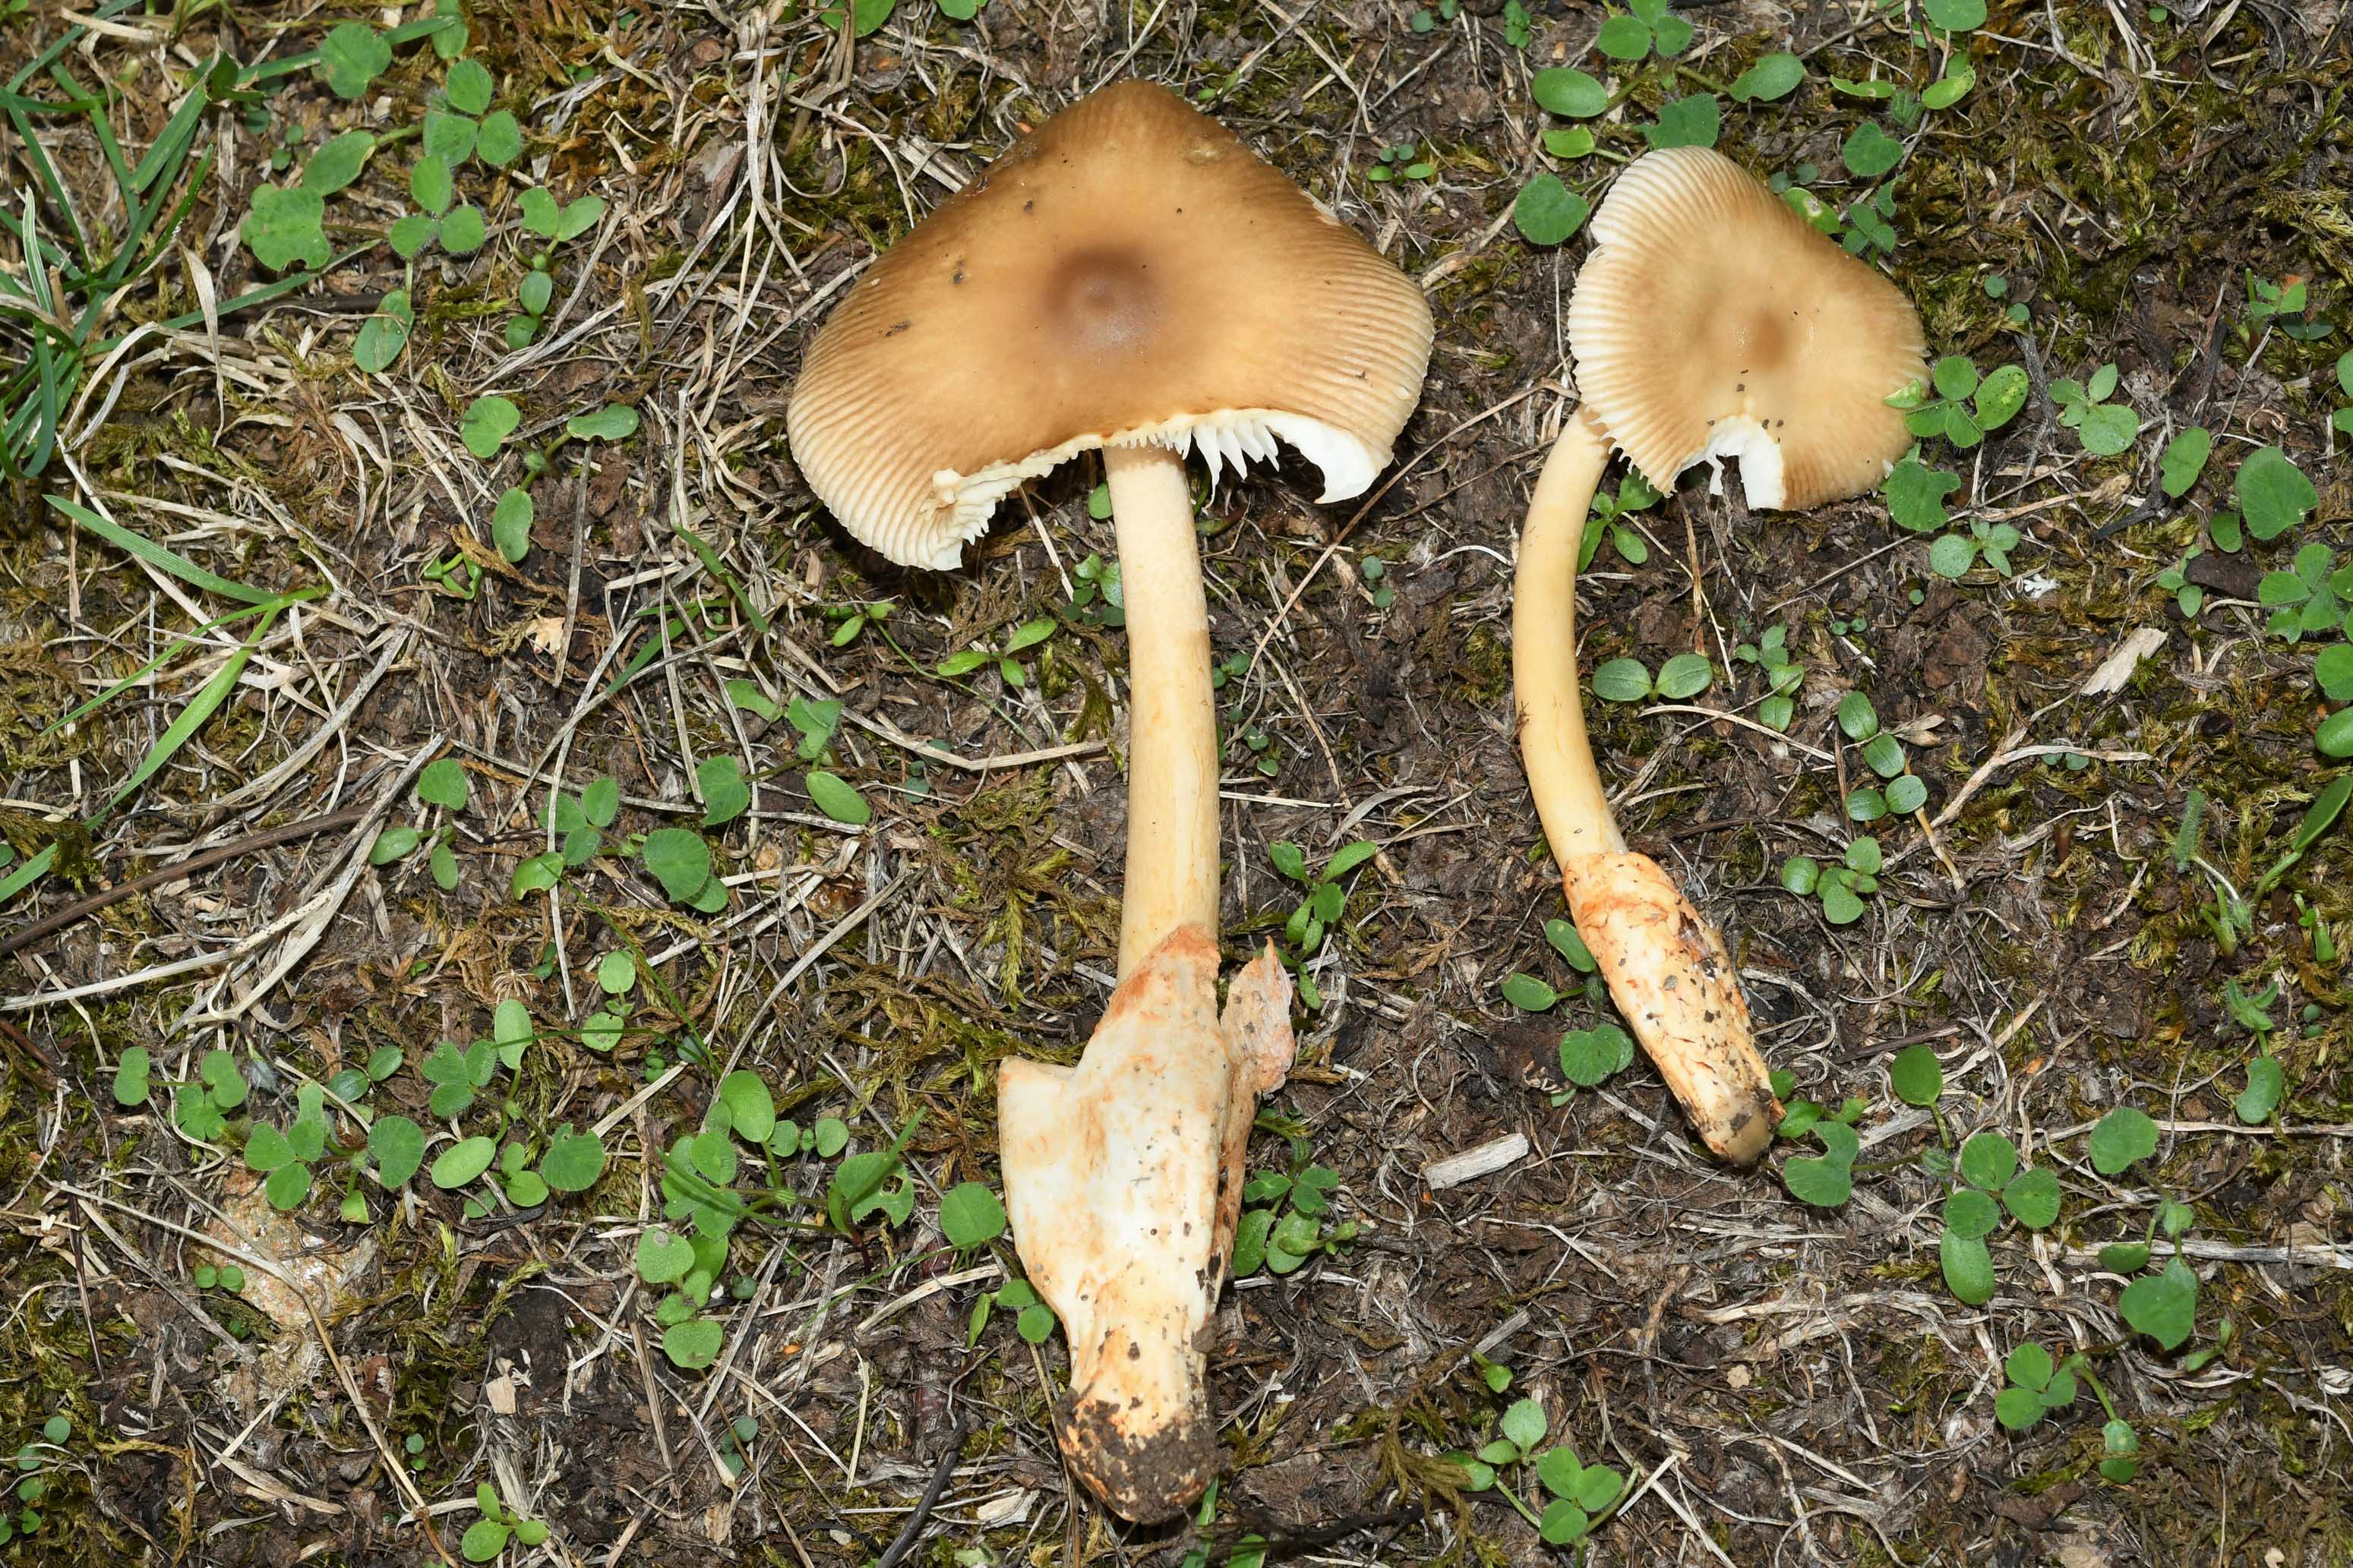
x=1667, y=969
x=1552, y=747
x=1172, y=764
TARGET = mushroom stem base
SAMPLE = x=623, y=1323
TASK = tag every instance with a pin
x=1667, y=968
x=1675, y=985
x=1122, y=1179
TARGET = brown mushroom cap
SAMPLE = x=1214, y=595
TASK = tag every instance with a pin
x=1710, y=321
x=1130, y=272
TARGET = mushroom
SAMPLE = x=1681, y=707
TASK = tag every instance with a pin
x=1129, y=277
x=1709, y=321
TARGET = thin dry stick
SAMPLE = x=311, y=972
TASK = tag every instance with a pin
x=179, y=870
x=911, y=1532
x=2011, y=752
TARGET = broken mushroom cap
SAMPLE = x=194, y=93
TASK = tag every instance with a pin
x=1129, y=273
x=1711, y=321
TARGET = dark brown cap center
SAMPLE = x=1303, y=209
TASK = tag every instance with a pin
x=1104, y=301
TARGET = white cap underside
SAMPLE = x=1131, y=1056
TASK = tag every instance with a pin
x=1760, y=461
x=1229, y=436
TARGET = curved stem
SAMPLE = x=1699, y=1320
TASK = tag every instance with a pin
x=1172, y=764
x=1559, y=758
x=1667, y=968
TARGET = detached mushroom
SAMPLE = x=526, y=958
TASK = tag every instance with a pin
x=1710, y=321
x=1130, y=278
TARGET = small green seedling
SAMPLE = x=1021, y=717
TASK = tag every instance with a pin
x=1324, y=908
x=1634, y=494
x=871, y=1184
x=1027, y=635
x=971, y=1216
x=385, y=334
x=130, y=1075
x=454, y=576
x=1773, y=77
x=1916, y=495
x=1682, y=677
x=1284, y=1214
x=726, y=792
x=543, y=219
x=1532, y=995
x=698, y=1173
x=35, y=1457
x=853, y=619
x=284, y=1158
x=1403, y=161
x=2285, y=307
x=1261, y=745
x=1953, y=555
x=2273, y=493
x=1590, y=1057
x=2183, y=460
x=488, y=1536
x=1825, y=1180
x=1966, y=406
x=2266, y=1088
x=1580, y=1495
x=679, y=859
x=555, y=222
x=199, y=1109
x=838, y=798
x=1903, y=791
x=460, y=124
x=2036, y=1386
x=1032, y=1319
x=1696, y=119
x=1869, y=223
x=1097, y=599
x=817, y=721
x=1649, y=25
x=1991, y=1183
x=2227, y=913
x=459, y=227
x=1840, y=888
x=441, y=785
x=350, y=57
x=1783, y=676
x=2309, y=598
x=2251, y=1012
x=2105, y=428
x=2188, y=596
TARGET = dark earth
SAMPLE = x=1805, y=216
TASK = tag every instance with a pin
x=1778, y=1382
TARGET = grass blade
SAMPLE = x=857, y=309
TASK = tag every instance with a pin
x=155, y=555
x=712, y=564
x=185, y=640
x=25, y=875
x=200, y=708
x=170, y=149
x=93, y=105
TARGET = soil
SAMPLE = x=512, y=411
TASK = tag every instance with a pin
x=1781, y=1382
